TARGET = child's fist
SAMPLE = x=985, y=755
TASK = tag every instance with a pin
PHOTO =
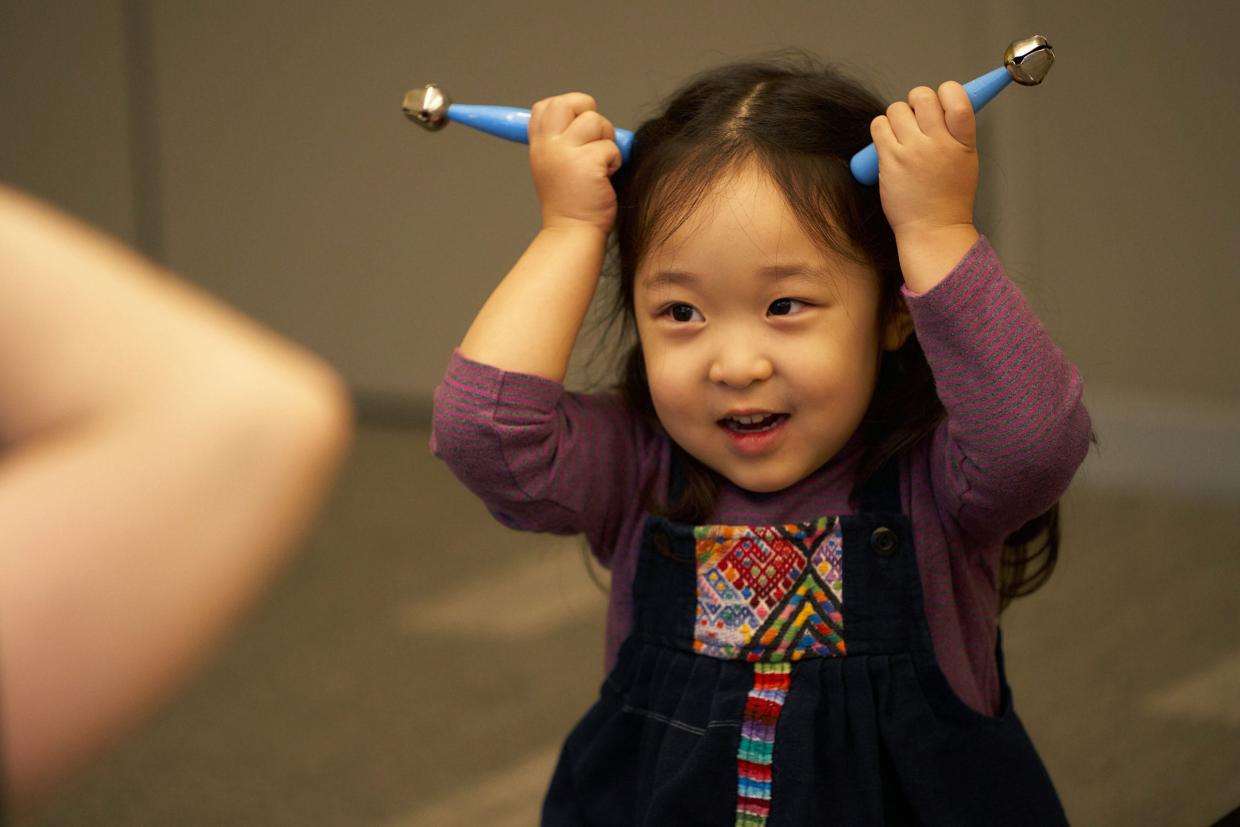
x=927, y=160
x=573, y=153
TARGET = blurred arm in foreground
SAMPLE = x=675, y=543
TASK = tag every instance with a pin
x=160, y=455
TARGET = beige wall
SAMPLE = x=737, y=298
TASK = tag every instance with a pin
x=294, y=185
x=65, y=110
x=264, y=145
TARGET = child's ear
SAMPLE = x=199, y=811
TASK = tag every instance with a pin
x=899, y=327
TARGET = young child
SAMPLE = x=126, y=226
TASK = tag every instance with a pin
x=838, y=414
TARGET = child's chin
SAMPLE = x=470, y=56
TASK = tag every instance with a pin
x=762, y=481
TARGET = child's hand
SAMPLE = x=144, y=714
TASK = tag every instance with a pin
x=572, y=155
x=927, y=161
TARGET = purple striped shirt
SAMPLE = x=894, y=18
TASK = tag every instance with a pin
x=545, y=459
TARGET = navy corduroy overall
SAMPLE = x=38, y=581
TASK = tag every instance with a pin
x=784, y=676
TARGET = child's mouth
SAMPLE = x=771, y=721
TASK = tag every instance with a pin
x=753, y=424
x=754, y=434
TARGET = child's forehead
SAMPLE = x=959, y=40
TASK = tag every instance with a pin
x=744, y=200
x=746, y=220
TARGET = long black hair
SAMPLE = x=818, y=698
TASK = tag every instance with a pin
x=801, y=121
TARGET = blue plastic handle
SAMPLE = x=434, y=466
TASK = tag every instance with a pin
x=981, y=91
x=513, y=124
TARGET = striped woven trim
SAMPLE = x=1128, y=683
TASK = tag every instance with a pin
x=753, y=759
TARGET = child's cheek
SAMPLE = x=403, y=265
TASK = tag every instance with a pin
x=656, y=365
x=670, y=388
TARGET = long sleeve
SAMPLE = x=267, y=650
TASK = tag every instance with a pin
x=1016, y=427
x=539, y=457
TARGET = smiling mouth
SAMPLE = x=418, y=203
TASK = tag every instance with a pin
x=752, y=424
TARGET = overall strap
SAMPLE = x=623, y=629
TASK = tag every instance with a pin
x=883, y=608
x=881, y=492
x=675, y=475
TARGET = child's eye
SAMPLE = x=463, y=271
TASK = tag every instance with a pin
x=683, y=313
x=785, y=307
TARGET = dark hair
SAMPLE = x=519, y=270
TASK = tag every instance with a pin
x=801, y=121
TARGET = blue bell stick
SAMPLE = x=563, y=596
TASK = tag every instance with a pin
x=1026, y=62
x=433, y=109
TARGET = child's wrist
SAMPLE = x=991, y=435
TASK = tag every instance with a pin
x=573, y=228
x=927, y=234
x=928, y=253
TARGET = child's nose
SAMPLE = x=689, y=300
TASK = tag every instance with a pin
x=739, y=367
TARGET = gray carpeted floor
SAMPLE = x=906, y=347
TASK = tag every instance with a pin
x=419, y=664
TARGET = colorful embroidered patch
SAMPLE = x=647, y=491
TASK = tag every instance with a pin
x=757, y=746
x=770, y=593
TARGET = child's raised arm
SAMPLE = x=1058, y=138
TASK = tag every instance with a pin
x=530, y=322
x=1017, y=427
x=927, y=156
x=540, y=458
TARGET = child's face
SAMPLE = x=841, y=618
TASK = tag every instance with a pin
x=761, y=349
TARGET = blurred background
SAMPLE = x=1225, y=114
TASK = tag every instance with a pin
x=418, y=664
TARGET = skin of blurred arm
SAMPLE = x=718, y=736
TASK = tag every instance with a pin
x=160, y=455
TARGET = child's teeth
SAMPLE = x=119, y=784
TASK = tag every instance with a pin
x=758, y=422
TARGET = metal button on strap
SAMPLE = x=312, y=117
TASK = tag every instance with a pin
x=884, y=541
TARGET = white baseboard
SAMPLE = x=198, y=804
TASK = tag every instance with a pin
x=1161, y=444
